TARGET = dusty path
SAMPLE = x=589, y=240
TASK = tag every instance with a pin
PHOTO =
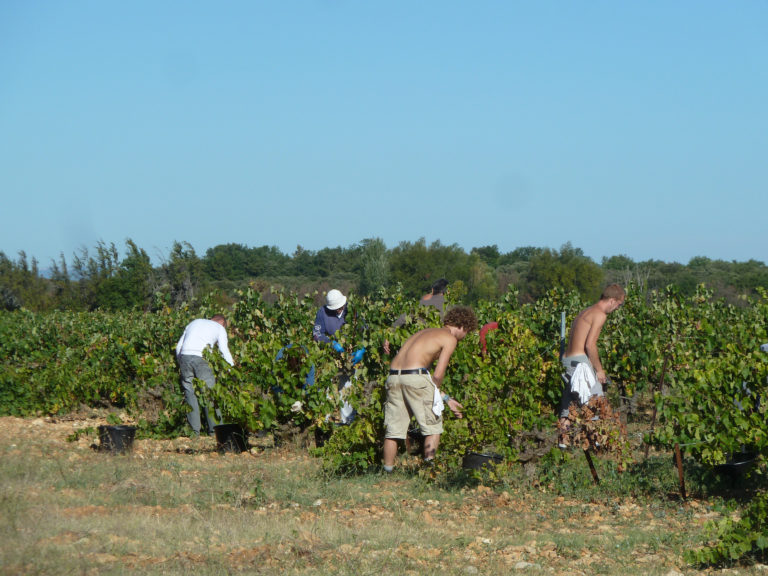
x=175, y=506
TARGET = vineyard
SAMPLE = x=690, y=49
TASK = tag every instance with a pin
x=697, y=359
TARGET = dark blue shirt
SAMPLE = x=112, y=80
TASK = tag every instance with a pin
x=327, y=322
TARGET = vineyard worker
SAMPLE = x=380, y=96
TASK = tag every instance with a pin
x=199, y=335
x=584, y=371
x=330, y=317
x=436, y=298
x=411, y=390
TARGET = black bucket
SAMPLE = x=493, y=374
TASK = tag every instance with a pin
x=231, y=438
x=477, y=461
x=117, y=439
x=737, y=464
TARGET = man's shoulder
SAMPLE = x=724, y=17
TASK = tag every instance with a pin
x=431, y=331
x=435, y=334
x=593, y=311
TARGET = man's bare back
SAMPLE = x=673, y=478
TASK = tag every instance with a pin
x=586, y=330
x=427, y=346
x=420, y=351
x=588, y=323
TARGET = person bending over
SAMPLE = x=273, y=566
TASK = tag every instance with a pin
x=413, y=390
x=582, y=357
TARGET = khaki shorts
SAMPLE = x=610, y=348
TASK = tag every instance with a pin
x=410, y=395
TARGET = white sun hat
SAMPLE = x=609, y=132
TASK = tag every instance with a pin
x=335, y=299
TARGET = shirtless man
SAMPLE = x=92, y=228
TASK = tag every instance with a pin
x=582, y=344
x=411, y=388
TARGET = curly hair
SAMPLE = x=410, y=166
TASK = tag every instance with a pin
x=461, y=317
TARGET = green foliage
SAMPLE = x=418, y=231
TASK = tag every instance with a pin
x=22, y=285
x=503, y=393
x=737, y=540
x=713, y=359
x=569, y=269
x=114, y=419
x=104, y=279
x=704, y=350
x=53, y=363
x=415, y=266
x=182, y=276
x=374, y=262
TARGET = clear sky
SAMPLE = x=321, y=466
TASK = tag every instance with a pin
x=636, y=128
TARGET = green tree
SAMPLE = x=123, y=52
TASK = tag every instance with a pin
x=183, y=273
x=22, y=285
x=569, y=269
x=482, y=281
x=106, y=282
x=374, y=272
x=488, y=254
x=226, y=262
x=523, y=254
x=64, y=289
x=268, y=261
x=416, y=266
x=303, y=263
x=623, y=270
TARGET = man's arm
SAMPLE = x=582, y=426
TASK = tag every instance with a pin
x=223, y=343
x=180, y=343
x=318, y=330
x=439, y=373
x=448, y=346
x=590, y=346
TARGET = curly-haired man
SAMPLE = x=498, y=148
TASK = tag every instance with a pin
x=412, y=390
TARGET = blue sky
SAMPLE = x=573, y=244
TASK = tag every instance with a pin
x=636, y=128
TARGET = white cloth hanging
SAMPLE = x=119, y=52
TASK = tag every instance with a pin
x=585, y=384
x=437, y=404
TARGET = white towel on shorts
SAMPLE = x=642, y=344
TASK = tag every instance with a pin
x=585, y=383
x=437, y=404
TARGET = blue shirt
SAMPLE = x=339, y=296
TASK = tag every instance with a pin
x=327, y=323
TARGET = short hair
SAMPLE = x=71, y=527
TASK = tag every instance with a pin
x=439, y=286
x=461, y=317
x=220, y=319
x=613, y=291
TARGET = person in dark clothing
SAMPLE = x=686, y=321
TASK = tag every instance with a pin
x=436, y=298
x=330, y=317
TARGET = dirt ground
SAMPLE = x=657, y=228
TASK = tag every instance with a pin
x=533, y=543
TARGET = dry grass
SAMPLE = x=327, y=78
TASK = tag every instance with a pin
x=171, y=507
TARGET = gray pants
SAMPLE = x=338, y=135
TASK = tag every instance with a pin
x=192, y=367
x=569, y=365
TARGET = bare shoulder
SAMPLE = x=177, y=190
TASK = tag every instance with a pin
x=433, y=338
x=593, y=313
x=598, y=313
x=422, y=348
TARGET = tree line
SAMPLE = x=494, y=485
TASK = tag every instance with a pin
x=106, y=278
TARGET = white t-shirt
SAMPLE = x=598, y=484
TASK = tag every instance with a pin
x=201, y=333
